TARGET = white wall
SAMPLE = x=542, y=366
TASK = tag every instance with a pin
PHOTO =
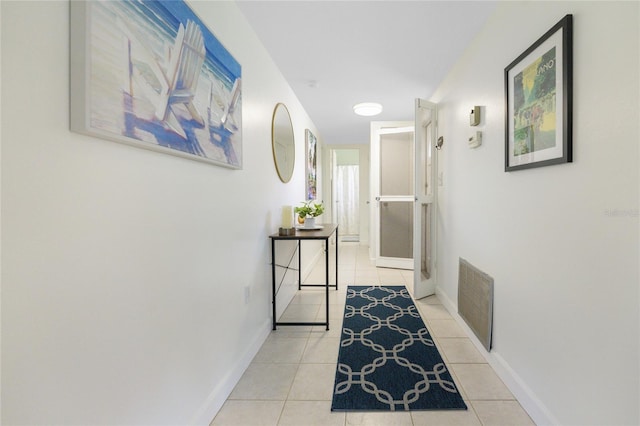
x=124, y=270
x=562, y=241
x=0, y=217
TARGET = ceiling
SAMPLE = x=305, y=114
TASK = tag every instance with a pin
x=335, y=54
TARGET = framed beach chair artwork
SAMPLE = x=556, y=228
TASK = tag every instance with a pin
x=151, y=74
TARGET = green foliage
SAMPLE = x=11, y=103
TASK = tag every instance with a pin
x=309, y=209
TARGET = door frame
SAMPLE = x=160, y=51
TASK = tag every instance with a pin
x=422, y=286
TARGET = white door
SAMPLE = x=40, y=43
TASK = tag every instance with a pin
x=392, y=189
x=424, y=233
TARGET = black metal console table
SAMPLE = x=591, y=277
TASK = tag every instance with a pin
x=300, y=235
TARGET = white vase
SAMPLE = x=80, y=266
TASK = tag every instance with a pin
x=310, y=222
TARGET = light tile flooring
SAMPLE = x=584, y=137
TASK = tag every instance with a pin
x=290, y=380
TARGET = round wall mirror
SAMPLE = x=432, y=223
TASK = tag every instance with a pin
x=282, y=142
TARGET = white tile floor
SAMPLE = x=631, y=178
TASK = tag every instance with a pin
x=290, y=380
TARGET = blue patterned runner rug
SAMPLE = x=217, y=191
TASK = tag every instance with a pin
x=387, y=359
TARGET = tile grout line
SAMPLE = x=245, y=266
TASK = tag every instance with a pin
x=294, y=379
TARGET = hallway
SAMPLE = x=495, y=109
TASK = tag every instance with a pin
x=290, y=380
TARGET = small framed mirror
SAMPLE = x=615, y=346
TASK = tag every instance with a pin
x=282, y=142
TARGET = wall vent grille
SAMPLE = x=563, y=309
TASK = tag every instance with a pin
x=475, y=301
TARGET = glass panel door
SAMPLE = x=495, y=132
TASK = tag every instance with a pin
x=395, y=198
x=396, y=229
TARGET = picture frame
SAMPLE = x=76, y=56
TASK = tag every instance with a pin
x=311, y=171
x=152, y=75
x=539, y=101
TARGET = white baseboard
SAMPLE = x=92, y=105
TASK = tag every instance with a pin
x=525, y=396
x=221, y=392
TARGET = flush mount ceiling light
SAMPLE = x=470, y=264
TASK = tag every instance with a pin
x=367, y=109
